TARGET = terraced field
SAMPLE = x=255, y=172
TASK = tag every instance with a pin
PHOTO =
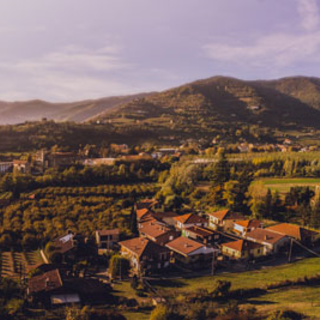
x=16, y=264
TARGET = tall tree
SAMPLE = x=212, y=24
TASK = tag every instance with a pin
x=221, y=172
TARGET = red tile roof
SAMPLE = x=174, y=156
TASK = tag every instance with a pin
x=249, y=223
x=189, y=218
x=48, y=281
x=201, y=231
x=292, y=230
x=226, y=214
x=153, y=229
x=142, y=246
x=265, y=235
x=242, y=245
x=184, y=245
x=142, y=212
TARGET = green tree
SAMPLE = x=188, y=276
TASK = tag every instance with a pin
x=119, y=266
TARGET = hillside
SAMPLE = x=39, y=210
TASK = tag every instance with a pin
x=17, y=112
x=226, y=107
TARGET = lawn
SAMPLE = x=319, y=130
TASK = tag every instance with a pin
x=244, y=280
x=124, y=289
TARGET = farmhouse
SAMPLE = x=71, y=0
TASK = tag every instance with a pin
x=201, y=234
x=242, y=249
x=106, y=239
x=49, y=288
x=157, y=232
x=191, y=254
x=145, y=256
x=188, y=220
x=271, y=241
x=224, y=219
x=242, y=227
x=295, y=232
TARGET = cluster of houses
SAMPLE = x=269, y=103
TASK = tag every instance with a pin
x=192, y=242
x=167, y=241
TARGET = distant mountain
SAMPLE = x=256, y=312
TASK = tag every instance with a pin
x=18, y=112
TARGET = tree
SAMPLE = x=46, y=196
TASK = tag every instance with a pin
x=233, y=195
x=221, y=173
x=133, y=222
x=119, y=266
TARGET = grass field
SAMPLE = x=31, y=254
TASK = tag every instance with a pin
x=244, y=280
x=283, y=185
x=124, y=289
x=305, y=300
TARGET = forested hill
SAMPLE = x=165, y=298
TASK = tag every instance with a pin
x=290, y=102
x=18, y=112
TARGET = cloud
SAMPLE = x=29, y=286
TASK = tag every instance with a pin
x=68, y=74
x=279, y=50
x=309, y=13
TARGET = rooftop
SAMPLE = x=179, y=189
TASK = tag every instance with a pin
x=226, y=214
x=141, y=246
x=265, y=235
x=184, y=245
x=242, y=245
x=249, y=223
x=48, y=281
x=292, y=230
x=189, y=218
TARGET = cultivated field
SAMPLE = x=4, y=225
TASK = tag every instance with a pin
x=283, y=185
x=16, y=264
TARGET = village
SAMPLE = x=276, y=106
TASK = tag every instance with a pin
x=167, y=245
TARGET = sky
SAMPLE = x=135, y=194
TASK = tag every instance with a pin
x=68, y=50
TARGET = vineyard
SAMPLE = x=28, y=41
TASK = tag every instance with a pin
x=18, y=264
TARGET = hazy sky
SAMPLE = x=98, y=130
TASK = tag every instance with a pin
x=62, y=50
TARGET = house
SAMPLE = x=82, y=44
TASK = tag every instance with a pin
x=144, y=215
x=242, y=249
x=46, y=159
x=224, y=219
x=271, y=241
x=49, y=289
x=295, y=232
x=145, y=256
x=242, y=227
x=5, y=167
x=188, y=220
x=157, y=232
x=201, y=234
x=67, y=246
x=22, y=166
x=191, y=254
x=166, y=218
x=106, y=239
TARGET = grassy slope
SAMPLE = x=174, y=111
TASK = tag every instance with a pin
x=245, y=280
x=303, y=300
